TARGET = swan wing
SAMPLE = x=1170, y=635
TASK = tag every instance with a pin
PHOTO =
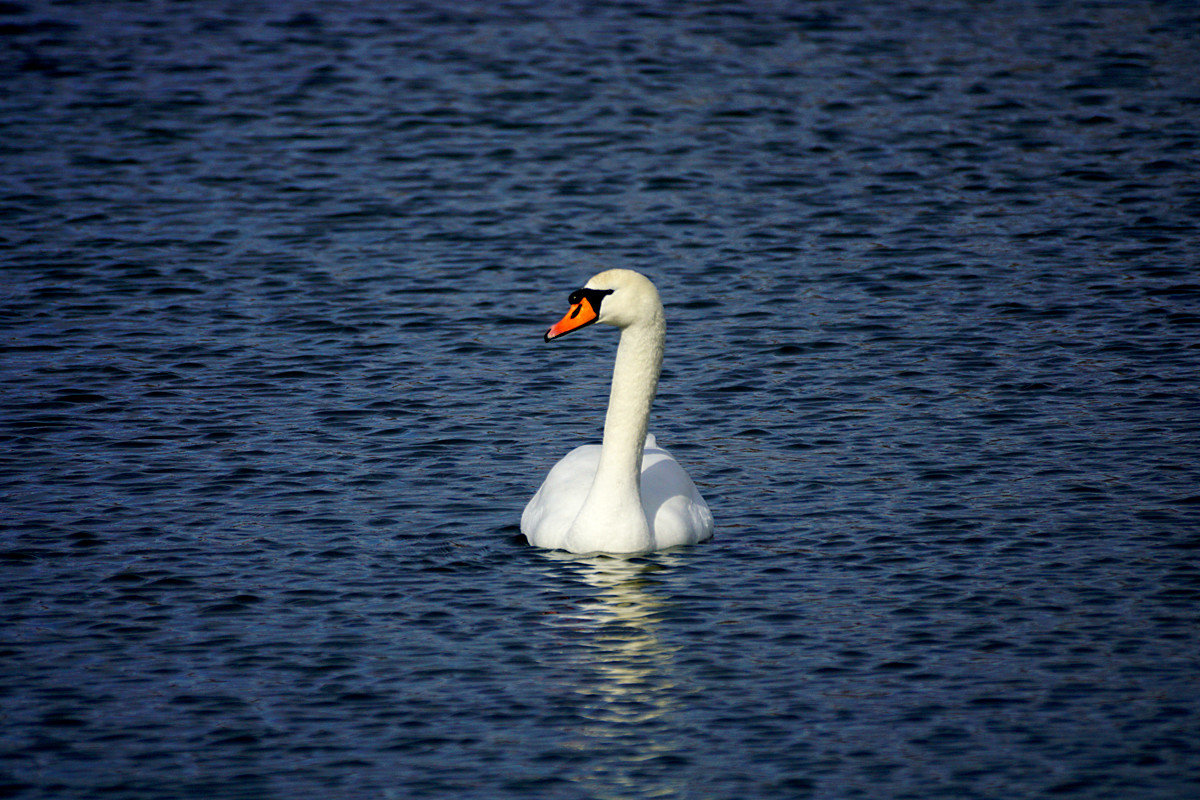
x=557, y=502
x=676, y=511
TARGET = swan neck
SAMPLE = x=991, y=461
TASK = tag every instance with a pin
x=634, y=383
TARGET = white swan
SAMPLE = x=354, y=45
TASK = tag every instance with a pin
x=626, y=495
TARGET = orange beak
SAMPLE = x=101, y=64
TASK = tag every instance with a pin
x=581, y=314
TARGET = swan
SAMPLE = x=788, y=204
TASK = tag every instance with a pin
x=627, y=494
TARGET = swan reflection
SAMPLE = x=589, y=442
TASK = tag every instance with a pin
x=626, y=676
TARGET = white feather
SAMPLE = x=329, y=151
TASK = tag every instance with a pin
x=626, y=495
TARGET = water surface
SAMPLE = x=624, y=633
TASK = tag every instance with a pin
x=274, y=395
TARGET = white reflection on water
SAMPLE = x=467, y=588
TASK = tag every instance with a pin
x=626, y=679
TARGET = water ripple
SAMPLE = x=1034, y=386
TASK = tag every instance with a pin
x=274, y=395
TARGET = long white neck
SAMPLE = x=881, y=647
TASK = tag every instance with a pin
x=634, y=382
x=612, y=518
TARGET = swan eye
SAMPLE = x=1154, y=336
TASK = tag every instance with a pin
x=593, y=296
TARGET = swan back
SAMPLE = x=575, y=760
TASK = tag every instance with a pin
x=673, y=508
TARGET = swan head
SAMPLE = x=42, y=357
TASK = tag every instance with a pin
x=619, y=297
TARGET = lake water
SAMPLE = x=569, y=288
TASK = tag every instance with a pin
x=274, y=393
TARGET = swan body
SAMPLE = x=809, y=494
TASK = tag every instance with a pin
x=627, y=494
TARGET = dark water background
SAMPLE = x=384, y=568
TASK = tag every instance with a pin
x=274, y=395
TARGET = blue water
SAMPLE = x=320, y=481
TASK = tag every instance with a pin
x=274, y=394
